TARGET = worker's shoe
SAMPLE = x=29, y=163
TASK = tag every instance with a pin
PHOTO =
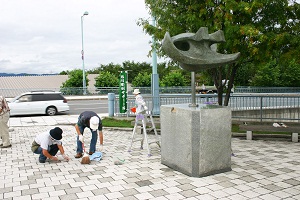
x=78, y=155
x=42, y=161
x=6, y=146
x=91, y=153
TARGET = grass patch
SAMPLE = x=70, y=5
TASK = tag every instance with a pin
x=235, y=128
x=273, y=133
x=126, y=123
x=112, y=122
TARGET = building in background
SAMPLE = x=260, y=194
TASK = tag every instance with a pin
x=11, y=86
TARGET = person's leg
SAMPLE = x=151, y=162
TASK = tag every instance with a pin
x=93, y=141
x=4, y=130
x=79, y=146
x=42, y=157
x=53, y=149
x=79, y=149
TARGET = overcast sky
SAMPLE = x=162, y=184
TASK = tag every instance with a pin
x=44, y=36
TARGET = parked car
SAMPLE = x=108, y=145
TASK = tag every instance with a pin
x=38, y=102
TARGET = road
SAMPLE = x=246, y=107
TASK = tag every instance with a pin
x=78, y=106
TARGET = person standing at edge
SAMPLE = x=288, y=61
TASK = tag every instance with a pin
x=4, y=117
x=47, y=145
x=140, y=104
x=88, y=119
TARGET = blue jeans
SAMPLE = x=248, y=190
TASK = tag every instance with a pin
x=93, y=141
x=52, y=149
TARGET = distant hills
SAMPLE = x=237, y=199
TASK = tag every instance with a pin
x=23, y=74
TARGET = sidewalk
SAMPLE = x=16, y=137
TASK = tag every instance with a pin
x=44, y=120
x=261, y=170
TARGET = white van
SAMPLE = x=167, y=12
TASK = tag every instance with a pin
x=38, y=102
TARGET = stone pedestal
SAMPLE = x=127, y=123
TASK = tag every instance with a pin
x=196, y=141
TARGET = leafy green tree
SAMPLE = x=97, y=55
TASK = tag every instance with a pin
x=174, y=78
x=257, y=29
x=135, y=68
x=111, y=68
x=142, y=80
x=245, y=73
x=63, y=73
x=267, y=75
x=75, y=78
x=290, y=74
x=106, y=79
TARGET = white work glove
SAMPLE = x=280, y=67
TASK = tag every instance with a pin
x=145, y=108
x=101, y=148
x=80, y=138
x=65, y=157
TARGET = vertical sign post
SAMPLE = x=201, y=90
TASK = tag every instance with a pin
x=123, y=92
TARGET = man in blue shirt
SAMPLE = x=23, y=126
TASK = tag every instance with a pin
x=88, y=119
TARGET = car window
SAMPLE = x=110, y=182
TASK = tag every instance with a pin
x=25, y=98
x=55, y=97
x=46, y=97
x=38, y=97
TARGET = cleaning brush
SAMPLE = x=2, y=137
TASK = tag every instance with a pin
x=86, y=158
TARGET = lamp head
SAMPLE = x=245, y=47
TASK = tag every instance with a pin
x=86, y=13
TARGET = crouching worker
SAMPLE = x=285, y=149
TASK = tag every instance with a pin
x=47, y=145
x=88, y=119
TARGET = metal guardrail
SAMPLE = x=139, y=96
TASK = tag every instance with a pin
x=253, y=106
x=251, y=89
x=12, y=92
x=258, y=107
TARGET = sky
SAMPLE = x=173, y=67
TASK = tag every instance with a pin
x=44, y=36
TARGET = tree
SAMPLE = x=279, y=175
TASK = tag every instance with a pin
x=106, y=79
x=174, y=78
x=75, y=78
x=133, y=69
x=268, y=75
x=290, y=74
x=142, y=80
x=257, y=29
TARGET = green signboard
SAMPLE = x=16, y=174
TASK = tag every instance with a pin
x=123, y=92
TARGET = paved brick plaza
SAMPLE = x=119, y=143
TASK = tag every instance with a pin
x=260, y=170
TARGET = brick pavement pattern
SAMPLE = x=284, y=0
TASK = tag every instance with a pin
x=261, y=170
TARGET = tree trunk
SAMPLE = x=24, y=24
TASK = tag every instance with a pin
x=230, y=84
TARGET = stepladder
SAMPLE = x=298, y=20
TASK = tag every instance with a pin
x=143, y=125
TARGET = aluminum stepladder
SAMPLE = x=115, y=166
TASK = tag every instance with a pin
x=142, y=119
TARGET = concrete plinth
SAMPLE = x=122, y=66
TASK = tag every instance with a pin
x=196, y=141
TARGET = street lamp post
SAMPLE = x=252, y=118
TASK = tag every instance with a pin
x=82, y=53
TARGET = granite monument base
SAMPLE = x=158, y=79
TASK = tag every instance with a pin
x=196, y=140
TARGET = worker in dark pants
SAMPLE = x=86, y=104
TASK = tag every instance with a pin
x=88, y=119
x=47, y=145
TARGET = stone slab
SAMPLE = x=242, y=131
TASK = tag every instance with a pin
x=196, y=140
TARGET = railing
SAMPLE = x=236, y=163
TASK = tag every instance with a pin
x=11, y=92
x=258, y=107
x=255, y=106
x=250, y=89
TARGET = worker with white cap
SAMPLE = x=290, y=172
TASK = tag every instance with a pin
x=88, y=119
x=139, y=102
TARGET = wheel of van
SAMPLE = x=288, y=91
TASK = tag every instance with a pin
x=51, y=111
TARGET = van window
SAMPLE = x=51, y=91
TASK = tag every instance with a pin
x=46, y=97
x=25, y=98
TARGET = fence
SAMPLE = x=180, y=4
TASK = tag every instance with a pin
x=249, y=89
x=10, y=93
x=258, y=107
x=281, y=106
